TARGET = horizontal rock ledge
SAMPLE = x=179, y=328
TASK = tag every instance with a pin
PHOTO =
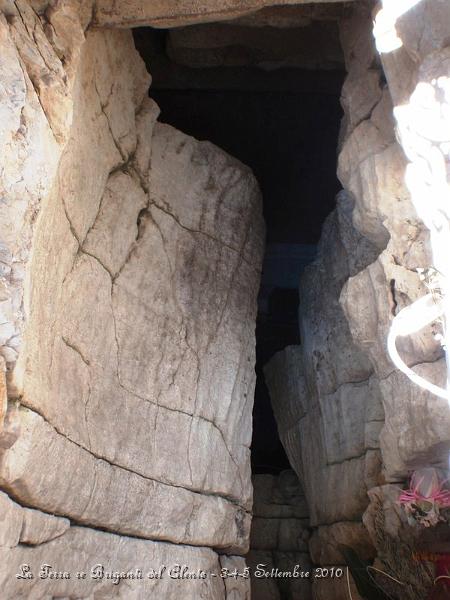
x=42, y=468
x=162, y=13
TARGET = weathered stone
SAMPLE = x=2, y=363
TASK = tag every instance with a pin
x=335, y=412
x=417, y=424
x=351, y=416
x=287, y=17
x=29, y=157
x=162, y=375
x=279, y=537
x=330, y=360
x=325, y=541
x=262, y=588
x=237, y=583
x=145, y=249
x=39, y=527
x=82, y=550
x=397, y=541
x=278, y=497
x=384, y=498
x=133, y=13
x=424, y=28
x=312, y=46
x=278, y=534
x=11, y=522
x=331, y=483
x=133, y=289
x=113, y=498
x=382, y=290
x=284, y=377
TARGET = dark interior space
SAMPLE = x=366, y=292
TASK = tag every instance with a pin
x=281, y=120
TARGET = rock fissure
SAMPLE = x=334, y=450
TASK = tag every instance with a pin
x=119, y=466
x=152, y=203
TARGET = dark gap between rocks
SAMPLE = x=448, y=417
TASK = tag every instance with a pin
x=282, y=120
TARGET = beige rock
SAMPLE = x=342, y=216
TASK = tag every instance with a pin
x=384, y=498
x=27, y=526
x=236, y=577
x=329, y=483
x=122, y=313
x=112, y=498
x=325, y=541
x=331, y=360
x=424, y=28
x=329, y=421
x=29, y=157
x=415, y=433
x=39, y=527
x=133, y=13
x=83, y=550
x=352, y=418
x=278, y=496
x=278, y=534
x=284, y=377
x=380, y=291
x=11, y=522
x=288, y=16
x=121, y=374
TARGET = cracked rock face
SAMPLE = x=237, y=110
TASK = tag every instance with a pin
x=140, y=263
x=279, y=537
x=349, y=420
x=163, y=13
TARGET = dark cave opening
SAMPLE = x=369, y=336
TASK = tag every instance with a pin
x=282, y=122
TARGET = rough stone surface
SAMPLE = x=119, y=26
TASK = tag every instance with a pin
x=110, y=497
x=162, y=13
x=325, y=400
x=130, y=257
x=279, y=537
x=360, y=422
x=325, y=541
x=80, y=549
x=347, y=418
x=149, y=356
x=312, y=46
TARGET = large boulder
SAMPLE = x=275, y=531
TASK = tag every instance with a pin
x=132, y=254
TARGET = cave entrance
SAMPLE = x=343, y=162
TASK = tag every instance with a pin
x=267, y=92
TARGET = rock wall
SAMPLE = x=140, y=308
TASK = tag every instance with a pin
x=163, y=13
x=349, y=420
x=131, y=256
x=279, y=538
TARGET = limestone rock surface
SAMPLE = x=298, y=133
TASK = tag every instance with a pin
x=104, y=557
x=151, y=278
x=130, y=257
x=279, y=538
x=162, y=13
